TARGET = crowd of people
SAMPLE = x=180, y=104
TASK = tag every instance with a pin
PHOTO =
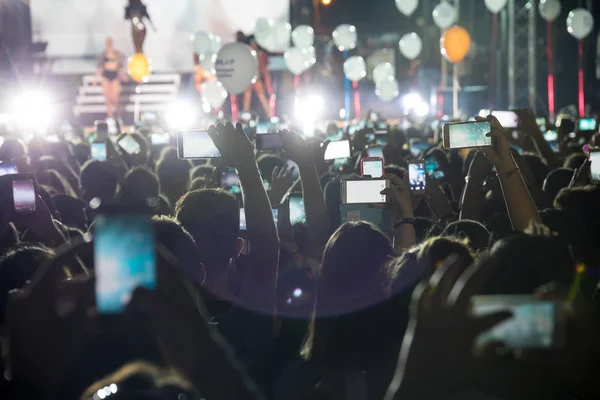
x=318, y=309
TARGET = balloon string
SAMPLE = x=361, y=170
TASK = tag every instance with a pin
x=412, y=71
x=581, y=94
x=234, y=107
x=550, y=61
x=356, y=100
x=492, y=82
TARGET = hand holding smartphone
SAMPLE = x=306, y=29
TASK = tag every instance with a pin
x=196, y=144
x=464, y=135
x=417, y=176
x=268, y=141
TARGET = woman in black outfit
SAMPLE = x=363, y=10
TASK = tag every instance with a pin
x=110, y=68
x=136, y=12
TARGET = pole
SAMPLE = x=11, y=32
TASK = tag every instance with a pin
x=550, y=61
x=455, y=91
x=356, y=100
x=581, y=90
x=492, y=79
x=511, y=54
x=346, y=91
x=531, y=50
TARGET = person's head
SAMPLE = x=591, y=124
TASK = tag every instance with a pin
x=97, y=179
x=555, y=181
x=267, y=163
x=108, y=43
x=141, y=380
x=474, y=232
x=139, y=186
x=173, y=175
x=197, y=184
x=212, y=217
x=170, y=234
x=574, y=161
x=202, y=171
x=17, y=266
x=10, y=149
x=71, y=210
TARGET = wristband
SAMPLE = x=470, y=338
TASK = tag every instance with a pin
x=509, y=173
x=403, y=221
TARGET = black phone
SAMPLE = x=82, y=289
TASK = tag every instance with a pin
x=268, y=141
x=101, y=128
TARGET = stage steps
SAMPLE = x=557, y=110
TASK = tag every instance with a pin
x=154, y=95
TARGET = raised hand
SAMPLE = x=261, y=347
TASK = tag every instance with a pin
x=499, y=153
x=233, y=144
x=399, y=194
x=281, y=181
x=295, y=146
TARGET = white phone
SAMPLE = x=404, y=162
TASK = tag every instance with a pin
x=339, y=149
x=364, y=191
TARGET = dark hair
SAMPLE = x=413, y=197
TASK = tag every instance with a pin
x=197, y=184
x=476, y=234
x=212, y=217
x=555, y=181
x=71, y=210
x=575, y=160
x=17, y=266
x=173, y=174
x=139, y=185
x=201, y=171
x=97, y=179
x=267, y=163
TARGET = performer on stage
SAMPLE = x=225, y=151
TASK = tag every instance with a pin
x=110, y=68
x=264, y=77
x=136, y=12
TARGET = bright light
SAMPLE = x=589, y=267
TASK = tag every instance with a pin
x=181, y=115
x=33, y=110
x=326, y=2
x=206, y=107
x=342, y=113
x=409, y=101
x=309, y=108
x=413, y=103
x=421, y=109
x=297, y=292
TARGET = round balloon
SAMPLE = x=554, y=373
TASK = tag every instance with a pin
x=410, y=45
x=303, y=36
x=444, y=15
x=282, y=32
x=580, y=23
x=495, y=6
x=387, y=90
x=296, y=60
x=208, y=63
x=407, y=7
x=549, y=9
x=310, y=56
x=263, y=33
x=138, y=67
x=455, y=44
x=344, y=37
x=213, y=93
x=236, y=67
x=355, y=68
x=205, y=43
x=382, y=72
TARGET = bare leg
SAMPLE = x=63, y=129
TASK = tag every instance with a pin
x=260, y=91
x=139, y=35
x=106, y=90
x=247, y=99
x=116, y=95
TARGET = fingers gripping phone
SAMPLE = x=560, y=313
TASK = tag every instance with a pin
x=124, y=257
x=463, y=135
x=534, y=323
x=268, y=141
x=196, y=144
x=371, y=167
x=417, y=176
x=364, y=191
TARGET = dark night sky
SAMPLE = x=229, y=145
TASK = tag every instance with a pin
x=382, y=16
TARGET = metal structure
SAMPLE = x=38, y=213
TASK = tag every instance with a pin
x=522, y=53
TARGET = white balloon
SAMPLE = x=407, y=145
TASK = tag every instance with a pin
x=344, y=37
x=580, y=23
x=283, y=32
x=383, y=72
x=205, y=43
x=444, y=15
x=407, y=7
x=549, y=9
x=410, y=45
x=273, y=35
x=236, y=67
x=213, y=93
x=387, y=90
x=295, y=60
x=355, y=68
x=303, y=36
x=310, y=56
x=208, y=62
x=495, y=6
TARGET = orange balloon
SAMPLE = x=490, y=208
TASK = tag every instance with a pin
x=455, y=44
x=138, y=67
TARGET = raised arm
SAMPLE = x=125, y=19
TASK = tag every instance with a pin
x=402, y=209
x=238, y=152
x=314, y=203
x=521, y=208
x=528, y=125
x=472, y=196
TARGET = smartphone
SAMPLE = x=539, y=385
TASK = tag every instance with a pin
x=244, y=227
x=268, y=141
x=381, y=137
x=101, y=129
x=375, y=151
x=230, y=181
x=297, y=213
x=432, y=167
x=508, y=119
x=124, y=257
x=534, y=324
x=417, y=176
x=371, y=166
x=542, y=123
x=99, y=151
x=196, y=144
x=160, y=138
x=587, y=124
x=129, y=144
x=595, y=166
x=364, y=191
x=24, y=194
x=8, y=169
x=462, y=135
x=339, y=149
